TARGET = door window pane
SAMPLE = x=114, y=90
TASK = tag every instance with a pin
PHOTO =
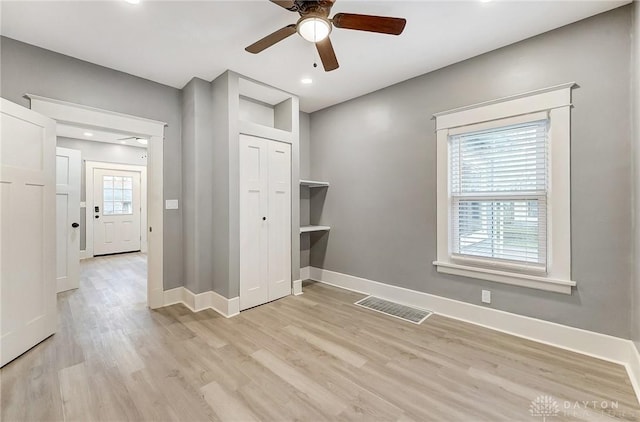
x=117, y=197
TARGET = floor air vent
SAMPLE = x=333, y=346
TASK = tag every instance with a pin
x=403, y=312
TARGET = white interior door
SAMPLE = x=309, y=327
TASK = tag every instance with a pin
x=279, y=220
x=27, y=229
x=68, y=164
x=253, y=222
x=116, y=213
x=265, y=221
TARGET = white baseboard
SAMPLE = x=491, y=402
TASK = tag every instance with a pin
x=173, y=296
x=633, y=368
x=601, y=346
x=207, y=300
x=305, y=273
x=83, y=254
x=297, y=287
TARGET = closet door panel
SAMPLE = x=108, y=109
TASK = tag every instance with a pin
x=254, y=242
x=279, y=220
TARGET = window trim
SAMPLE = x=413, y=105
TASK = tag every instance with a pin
x=556, y=101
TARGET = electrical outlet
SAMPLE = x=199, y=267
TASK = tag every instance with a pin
x=486, y=296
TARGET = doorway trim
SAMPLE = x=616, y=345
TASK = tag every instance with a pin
x=91, y=117
x=90, y=166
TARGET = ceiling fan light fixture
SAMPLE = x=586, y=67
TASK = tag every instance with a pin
x=314, y=29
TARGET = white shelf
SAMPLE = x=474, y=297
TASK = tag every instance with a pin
x=313, y=184
x=308, y=229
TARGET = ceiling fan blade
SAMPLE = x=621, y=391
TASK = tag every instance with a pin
x=380, y=24
x=286, y=4
x=327, y=55
x=271, y=39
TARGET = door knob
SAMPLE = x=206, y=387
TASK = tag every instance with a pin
x=75, y=225
x=264, y=218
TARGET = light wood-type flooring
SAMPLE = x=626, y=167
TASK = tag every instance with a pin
x=313, y=357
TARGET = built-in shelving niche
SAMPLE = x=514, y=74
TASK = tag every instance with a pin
x=264, y=111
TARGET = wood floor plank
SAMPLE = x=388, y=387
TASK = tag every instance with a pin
x=77, y=401
x=329, y=403
x=315, y=357
x=226, y=405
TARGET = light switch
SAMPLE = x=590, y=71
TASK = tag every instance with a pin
x=171, y=204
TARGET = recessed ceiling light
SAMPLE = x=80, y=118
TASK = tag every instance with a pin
x=306, y=81
x=142, y=141
x=89, y=134
x=123, y=142
x=132, y=1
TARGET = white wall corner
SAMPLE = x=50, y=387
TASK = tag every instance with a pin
x=305, y=273
x=233, y=307
x=198, y=302
x=173, y=296
x=189, y=299
x=297, y=287
x=633, y=368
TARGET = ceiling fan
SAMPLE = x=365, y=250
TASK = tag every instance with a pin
x=315, y=26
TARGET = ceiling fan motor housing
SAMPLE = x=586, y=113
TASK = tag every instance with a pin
x=320, y=7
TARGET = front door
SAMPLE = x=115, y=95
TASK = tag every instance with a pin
x=116, y=212
x=27, y=229
x=67, y=219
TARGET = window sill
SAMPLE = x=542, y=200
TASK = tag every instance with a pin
x=523, y=280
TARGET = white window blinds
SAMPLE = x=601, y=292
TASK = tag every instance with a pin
x=498, y=186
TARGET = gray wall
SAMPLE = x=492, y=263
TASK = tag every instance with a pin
x=28, y=69
x=106, y=153
x=378, y=153
x=197, y=192
x=305, y=172
x=223, y=108
x=635, y=312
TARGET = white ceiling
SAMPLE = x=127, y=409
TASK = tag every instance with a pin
x=171, y=42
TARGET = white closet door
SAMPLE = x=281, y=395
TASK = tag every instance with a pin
x=279, y=220
x=254, y=289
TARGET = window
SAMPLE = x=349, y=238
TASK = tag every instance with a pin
x=503, y=179
x=117, y=194
x=498, y=185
